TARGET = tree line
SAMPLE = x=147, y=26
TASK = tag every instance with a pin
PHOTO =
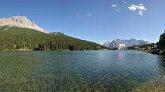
x=161, y=42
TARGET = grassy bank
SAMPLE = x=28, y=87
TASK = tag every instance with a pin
x=157, y=52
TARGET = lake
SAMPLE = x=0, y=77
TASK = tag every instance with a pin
x=81, y=71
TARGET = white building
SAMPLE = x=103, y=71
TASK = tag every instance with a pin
x=122, y=47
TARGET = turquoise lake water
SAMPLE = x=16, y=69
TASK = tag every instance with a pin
x=81, y=71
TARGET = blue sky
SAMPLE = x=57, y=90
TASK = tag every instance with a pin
x=93, y=20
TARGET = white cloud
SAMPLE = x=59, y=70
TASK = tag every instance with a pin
x=132, y=7
x=140, y=8
x=124, y=2
x=140, y=4
x=114, y=5
x=141, y=13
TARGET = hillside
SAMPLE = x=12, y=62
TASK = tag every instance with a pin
x=16, y=38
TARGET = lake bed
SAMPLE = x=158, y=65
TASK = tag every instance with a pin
x=81, y=71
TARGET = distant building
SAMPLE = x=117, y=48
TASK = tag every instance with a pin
x=149, y=48
x=122, y=47
x=155, y=46
x=143, y=48
x=136, y=47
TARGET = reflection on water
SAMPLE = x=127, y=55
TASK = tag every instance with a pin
x=82, y=71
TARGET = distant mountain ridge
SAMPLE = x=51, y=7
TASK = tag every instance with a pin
x=127, y=42
x=20, y=21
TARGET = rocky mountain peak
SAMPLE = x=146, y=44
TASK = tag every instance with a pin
x=127, y=42
x=20, y=21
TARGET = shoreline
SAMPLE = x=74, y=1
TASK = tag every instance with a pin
x=156, y=52
x=45, y=50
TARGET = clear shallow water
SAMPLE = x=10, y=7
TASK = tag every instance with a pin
x=82, y=71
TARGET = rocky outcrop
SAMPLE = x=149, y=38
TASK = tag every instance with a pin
x=20, y=21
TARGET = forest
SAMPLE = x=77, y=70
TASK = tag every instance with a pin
x=16, y=38
x=162, y=41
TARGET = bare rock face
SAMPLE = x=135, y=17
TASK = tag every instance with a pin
x=20, y=21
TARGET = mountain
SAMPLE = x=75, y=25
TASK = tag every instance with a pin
x=128, y=43
x=19, y=33
x=20, y=21
x=18, y=38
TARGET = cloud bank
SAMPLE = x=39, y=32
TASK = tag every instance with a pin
x=140, y=8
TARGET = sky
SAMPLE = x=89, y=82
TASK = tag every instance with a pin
x=93, y=20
